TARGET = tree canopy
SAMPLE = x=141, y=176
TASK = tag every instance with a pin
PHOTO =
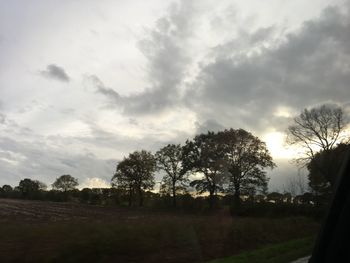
x=28, y=187
x=230, y=159
x=246, y=157
x=204, y=155
x=317, y=129
x=136, y=174
x=169, y=159
x=324, y=168
x=65, y=183
x=125, y=178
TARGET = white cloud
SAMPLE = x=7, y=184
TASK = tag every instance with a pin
x=94, y=182
x=163, y=71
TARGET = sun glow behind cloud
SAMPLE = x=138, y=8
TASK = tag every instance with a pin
x=284, y=112
x=95, y=182
x=275, y=142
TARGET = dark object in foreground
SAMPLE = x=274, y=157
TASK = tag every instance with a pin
x=334, y=238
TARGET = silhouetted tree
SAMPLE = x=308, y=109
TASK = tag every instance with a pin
x=65, y=183
x=136, y=172
x=169, y=159
x=317, y=129
x=124, y=178
x=85, y=195
x=6, y=190
x=205, y=156
x=324, y=168
x=305, y=199
x=29, y=188
x=42, y=186
x=245, y=156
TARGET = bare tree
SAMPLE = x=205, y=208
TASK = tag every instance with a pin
x=290, y=187
x=317, y=129
x=301, y=183
x=296, y=185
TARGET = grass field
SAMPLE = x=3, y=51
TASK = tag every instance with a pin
x=279, y=253
x=34, y=231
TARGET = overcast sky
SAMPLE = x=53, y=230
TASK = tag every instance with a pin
x=83, y=83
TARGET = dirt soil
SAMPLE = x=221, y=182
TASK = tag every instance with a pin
x=42, y=211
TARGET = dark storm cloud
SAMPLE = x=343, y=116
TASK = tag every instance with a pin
x=167, y=62
x=308, y=67
x=55, y=72
x=250, y=76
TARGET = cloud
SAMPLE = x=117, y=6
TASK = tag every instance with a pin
x=280, y=176
x=207, y=68
x=55, y=72
x=40, y=160
x=113, y=96
x=2, y=118
x=95, y=182
x=249, y=77
x=164, y=47
x=208, y=125
x=244, y=88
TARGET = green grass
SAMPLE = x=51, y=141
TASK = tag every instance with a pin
x=280, y=253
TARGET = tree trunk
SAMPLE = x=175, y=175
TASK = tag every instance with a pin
x=141, y=197
x=236, y=196
x=130, y=196
x=211, y=199
x=174, y=194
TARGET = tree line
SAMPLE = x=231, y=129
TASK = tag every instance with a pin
x=226, y=167
x=229, y=162
x=234, y=161
x=226, y=162
x=35, y=189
